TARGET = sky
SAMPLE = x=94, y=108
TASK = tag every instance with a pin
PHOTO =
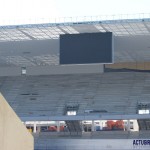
x=26, y=11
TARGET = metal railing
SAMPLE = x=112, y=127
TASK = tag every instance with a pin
x=76, y=19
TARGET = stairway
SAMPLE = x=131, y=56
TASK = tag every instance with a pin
x=74, y=127
x=144, y=124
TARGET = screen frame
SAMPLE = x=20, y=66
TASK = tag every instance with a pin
x=112, y=50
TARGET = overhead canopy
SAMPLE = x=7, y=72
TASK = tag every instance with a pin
x=127, y=27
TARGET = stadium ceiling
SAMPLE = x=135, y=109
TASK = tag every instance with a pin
x=126, y=27
x=131, y=37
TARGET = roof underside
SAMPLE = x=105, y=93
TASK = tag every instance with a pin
x=127, y=27
x=131, y=37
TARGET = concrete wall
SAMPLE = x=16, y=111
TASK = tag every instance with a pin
x=37, y=48
x=66, y=69
x=13, y=134
x=10, y=71
x=93, y=144
x=51, y=70
x=29, y=48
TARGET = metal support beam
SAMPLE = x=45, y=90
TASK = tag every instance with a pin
x=87, y=117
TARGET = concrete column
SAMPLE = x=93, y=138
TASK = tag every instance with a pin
x=135, y=125
x=34, y=128
x=102, y=124
x=13, y=133
x=82, y=127
x=38, y=129
x=128, y=125
x=92, y=125
x=58, y=126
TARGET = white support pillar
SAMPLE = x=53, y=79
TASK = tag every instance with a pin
x=92, y=125
x=58, y=126
x=102, y=124
x=135, y=125
x=128, y=125
x=34, y=128
x=38, y=129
